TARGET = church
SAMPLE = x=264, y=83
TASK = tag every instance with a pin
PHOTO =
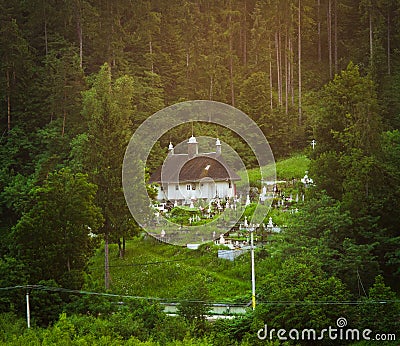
x=187, y=177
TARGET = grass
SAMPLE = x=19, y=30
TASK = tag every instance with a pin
x=153, y=269
x=293, y=167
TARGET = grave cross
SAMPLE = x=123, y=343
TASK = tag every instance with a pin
x=313, y=143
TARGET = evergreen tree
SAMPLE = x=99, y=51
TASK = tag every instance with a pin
x=108, y=108
x=15, y=70
x=347, y=128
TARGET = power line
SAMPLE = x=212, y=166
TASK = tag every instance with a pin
x=180, y=300
x=12, y=288
x=354, y=302
x=112, y=295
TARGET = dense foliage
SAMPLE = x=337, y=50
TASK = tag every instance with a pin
x=78, y=77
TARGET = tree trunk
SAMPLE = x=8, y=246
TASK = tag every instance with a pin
x=280, y=67
x=8, y=101
x=106, y=264
x=64, y=107
x=211, y=87
x=286, y=73
x=231, y=77
x=187, y=73
x=231, y=61
x=336, y=36
x=119, y=247
x=46, y=46
x=270, y=76
x=371, y=49
x=245, y=35
x=292, y=72
x=278, y=70
x=319, y=32
x=151, y=56
x=300, y=81
x=290, y=61
x=79, y=32
x=114, y=63
x=80, y=47
x=388, y=43
x=187, y=64
x=329, y=23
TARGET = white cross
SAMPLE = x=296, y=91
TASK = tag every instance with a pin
x=313, y=143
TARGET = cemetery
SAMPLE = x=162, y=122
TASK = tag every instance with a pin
x=284, y=196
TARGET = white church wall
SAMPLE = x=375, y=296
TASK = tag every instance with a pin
x=196, y=190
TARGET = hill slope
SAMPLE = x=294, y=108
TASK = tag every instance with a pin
x=154, y=269
x=292, y=167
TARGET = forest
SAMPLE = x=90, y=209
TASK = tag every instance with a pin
x=78, y=77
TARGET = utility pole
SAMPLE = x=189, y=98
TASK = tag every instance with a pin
x=253, y=274
x=28, y=312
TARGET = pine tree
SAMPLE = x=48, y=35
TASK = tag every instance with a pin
x=108, y=109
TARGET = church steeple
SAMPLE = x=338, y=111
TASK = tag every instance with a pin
x=171, y=148
x=218, y=146
x=193, y=148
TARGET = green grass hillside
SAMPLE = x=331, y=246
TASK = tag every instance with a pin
x=292, y=167
x=154, y=269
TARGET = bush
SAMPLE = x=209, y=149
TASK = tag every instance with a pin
x=193, y=306
x=46, y=306
x=10, y=325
